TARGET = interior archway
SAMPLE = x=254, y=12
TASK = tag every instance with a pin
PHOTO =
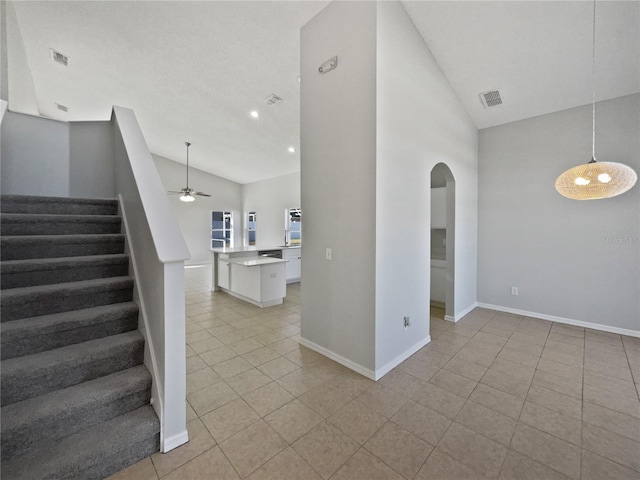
x=443, y=240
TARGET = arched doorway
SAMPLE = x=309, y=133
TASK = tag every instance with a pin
x=443, y=240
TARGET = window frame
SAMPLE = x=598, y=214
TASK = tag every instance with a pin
x=227, y=235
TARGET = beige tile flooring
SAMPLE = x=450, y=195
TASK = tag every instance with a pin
x=493, y=396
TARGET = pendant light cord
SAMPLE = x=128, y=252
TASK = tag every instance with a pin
x=188, y=145
x=593, y=86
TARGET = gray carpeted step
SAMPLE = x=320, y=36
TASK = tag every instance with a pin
x=57, y=205
x=45, y=224
x=34, y=375
x=28, y=302
x=64, y=412
x=39, y=334
x=46, y=271
x=50, y=246
x=106, y=448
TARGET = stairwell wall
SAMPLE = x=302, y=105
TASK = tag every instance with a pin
x=19, y=88
x=35, y=155
x=91, y=169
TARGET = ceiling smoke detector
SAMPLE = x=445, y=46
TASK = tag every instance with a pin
x=272, y=99
x=62, y=107
x=491, y=98
x=58, y=57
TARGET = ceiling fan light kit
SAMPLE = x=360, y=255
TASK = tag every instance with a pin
x=595, y=180
x=188, y=194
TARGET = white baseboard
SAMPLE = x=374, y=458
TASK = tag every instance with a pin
x=382, y=371
x=567, y=321
x=175, y=441
x=462, y=314
x=270, y=303
x=338, y=358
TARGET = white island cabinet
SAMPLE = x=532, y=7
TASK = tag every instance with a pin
x=294, y=263
x=254, y=279
x=244, y=274
x=258, y=280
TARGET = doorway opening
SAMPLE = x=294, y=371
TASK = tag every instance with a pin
x=442, y=242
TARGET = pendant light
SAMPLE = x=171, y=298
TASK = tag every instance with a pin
x=595, y=180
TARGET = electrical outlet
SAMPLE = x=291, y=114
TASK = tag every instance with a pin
x=514, y=291
x=406, y=322
x=328, y=254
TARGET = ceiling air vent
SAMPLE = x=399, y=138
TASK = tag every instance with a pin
x=490, y=98
x=272, y=99
x=59, y=57
x=62, y=107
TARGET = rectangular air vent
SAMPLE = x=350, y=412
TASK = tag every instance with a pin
x=59, y=57
x=272, y=99
x=62, y=107
x=490, y=98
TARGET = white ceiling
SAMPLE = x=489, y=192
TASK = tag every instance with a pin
x=537, y=54
x=192, y=71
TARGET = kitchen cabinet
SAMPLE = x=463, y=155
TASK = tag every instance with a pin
x=293, y=265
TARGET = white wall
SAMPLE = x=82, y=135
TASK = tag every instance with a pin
x=269, y=199
x=4, y=77
x=420, y=122
x=20, y=87
x=338, y=173
x=194, y=218
x=91, y=167
x=35, y=155
x=578, y=260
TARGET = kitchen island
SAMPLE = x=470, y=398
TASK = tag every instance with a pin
x=255, y=275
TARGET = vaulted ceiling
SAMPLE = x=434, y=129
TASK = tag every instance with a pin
x=193, y=71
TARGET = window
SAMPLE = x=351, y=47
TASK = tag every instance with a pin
x=251, y=228
x=221, y=229
x=294, y=226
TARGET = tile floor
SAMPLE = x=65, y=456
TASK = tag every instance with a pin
x=493, y=396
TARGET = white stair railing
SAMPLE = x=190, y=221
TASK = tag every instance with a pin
x=157, y=250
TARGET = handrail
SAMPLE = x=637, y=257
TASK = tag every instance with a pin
x=167, y=238
x=3, y=109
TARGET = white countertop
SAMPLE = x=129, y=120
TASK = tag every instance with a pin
x=251, y=249
x=255, y=261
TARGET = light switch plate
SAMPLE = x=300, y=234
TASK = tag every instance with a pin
x=328, y=254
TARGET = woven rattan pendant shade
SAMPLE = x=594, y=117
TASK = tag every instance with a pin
x=596, y=180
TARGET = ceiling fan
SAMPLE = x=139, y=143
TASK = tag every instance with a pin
x=188, y=194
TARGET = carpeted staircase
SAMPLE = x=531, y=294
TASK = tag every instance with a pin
x=74, y=391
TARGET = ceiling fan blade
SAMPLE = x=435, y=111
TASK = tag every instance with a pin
x=202, y=194
x=175, y=192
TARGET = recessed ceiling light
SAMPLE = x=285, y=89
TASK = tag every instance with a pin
x=292, y=150
x=254, y=114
